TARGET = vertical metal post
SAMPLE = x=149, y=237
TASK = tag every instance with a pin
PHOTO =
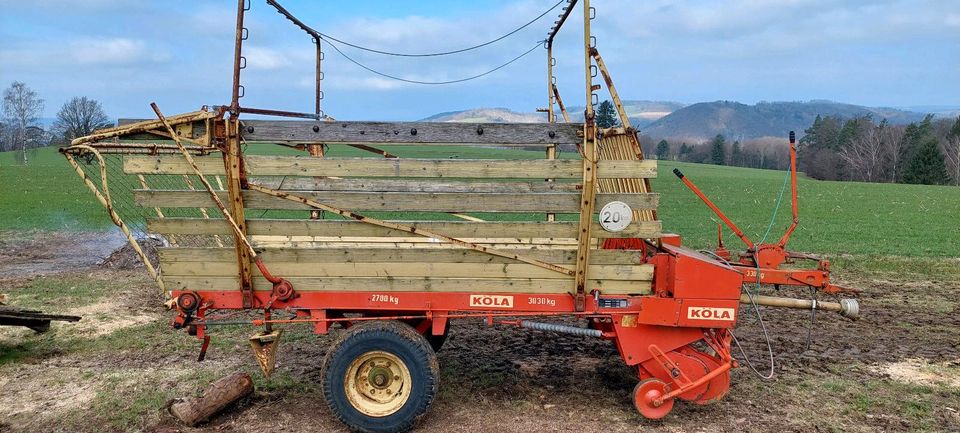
x=237, y=58
x=319, y=94
x=589, y=169
x=551, y=117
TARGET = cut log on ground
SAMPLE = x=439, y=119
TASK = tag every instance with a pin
x=217, y=397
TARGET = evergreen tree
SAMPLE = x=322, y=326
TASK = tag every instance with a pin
x=684, y=150
x=736, y=154
x=915, y=137
x=663, y=149
x=718, y=154
x=606, y=115
x=926, y=166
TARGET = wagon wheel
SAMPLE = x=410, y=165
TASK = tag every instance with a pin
x=380, y=376
x=644, y=396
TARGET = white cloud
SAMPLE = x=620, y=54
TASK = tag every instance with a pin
x=113, y=51
x=263, y=58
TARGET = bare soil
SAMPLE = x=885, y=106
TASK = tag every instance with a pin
x=896, y=369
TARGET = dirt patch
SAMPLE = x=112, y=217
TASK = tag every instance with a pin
x=921, y=372
x=107, y=316
x=54, y=252
x=29, y=392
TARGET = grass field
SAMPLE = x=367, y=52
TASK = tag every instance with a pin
x=836, y=217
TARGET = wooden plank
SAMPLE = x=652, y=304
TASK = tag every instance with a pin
x=260, y=165
x=407, y=185
x=392, y=255
x=409, y=132
x=458, y=229
x=408, y=270
x=468, y=285
x=404, y=202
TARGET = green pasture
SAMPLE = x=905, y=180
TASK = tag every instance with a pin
x=836, y=217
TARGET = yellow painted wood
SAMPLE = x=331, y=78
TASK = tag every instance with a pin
x=402, y=202
x=260, y=165
x=196, y=226
x=410, y=270
x=465, y=285
x=392, y=255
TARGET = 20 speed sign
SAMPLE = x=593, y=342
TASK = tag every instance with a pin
x=615, y=216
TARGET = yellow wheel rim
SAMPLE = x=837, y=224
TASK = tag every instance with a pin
x=377, y=383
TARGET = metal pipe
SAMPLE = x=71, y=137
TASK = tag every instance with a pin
x=848, y=308
x=563, y=329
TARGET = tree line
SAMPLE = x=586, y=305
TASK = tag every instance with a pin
x=833, y=148
x=21, y=128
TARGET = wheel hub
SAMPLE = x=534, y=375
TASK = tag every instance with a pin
x=377, y=383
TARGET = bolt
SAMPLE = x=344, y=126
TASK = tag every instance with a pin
x=413, y=131
x=250, y=129
x=316, y=128
x=552, y=134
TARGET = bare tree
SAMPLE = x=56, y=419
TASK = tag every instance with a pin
x=79, y=117
x=21, y=110
x=892, y=138
x=951, y=151
x=864, y=154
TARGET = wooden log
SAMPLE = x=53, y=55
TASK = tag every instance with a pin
x=217, y=397
x=409, y=132
x=260, y=165
x=403, y=202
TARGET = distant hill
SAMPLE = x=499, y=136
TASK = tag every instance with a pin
x=734, y=120
x=487, y=115
x=704, y=120
x=641, y=113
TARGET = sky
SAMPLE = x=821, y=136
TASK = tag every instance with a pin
x=179, y=53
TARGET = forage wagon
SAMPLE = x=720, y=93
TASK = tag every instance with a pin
x=391, y=249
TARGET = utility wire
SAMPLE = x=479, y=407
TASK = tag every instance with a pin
x=405, y=80
x=329, y=38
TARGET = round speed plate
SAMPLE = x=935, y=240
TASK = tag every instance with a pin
x=615, y=216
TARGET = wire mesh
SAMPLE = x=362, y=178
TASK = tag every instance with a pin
x=123, y=189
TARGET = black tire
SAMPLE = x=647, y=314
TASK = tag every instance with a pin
x=396, y=339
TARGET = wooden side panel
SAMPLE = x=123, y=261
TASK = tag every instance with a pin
x=410, y=270
x=198, y=226
x=486, y=285
x=409, y=132
x=403, y=202
x=392, y=255
x=258, y=165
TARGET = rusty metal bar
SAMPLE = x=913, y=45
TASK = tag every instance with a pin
x=589, y=193
x=238, y=58
x=279, y=113
x=319, y=94
x=559, y=23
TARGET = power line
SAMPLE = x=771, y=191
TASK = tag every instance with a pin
x=405, y=80
x=444, y=53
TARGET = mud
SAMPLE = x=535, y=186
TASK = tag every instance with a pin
x=53, y=252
